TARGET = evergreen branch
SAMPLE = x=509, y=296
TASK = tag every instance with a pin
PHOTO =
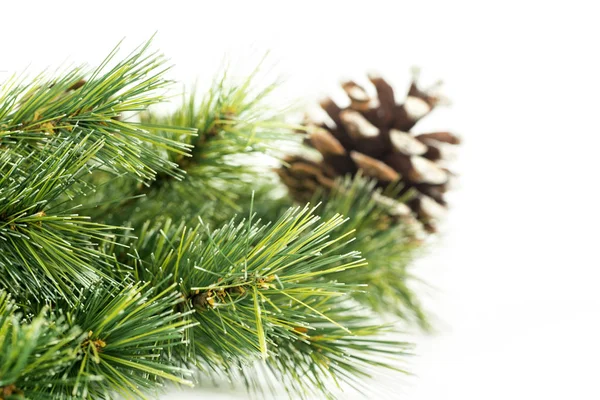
x=255, y=287
x=231, y=119
x=180, y=294
x=388, y=244
x=128, y=332
x=33, y=354
x=325, y=356
x=218, y=275
x=317, y=356
x=54, y=132
x=91, y=104
x=45, y=250
x=387, y=240
x=234, y=127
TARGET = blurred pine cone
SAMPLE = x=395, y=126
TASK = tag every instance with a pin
x=373, y=135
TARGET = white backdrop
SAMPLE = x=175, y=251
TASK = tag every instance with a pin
x=517, y=270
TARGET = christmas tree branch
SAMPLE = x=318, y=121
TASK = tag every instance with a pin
x=386, y=237
x=45, y=250
x=325, y=356
x=257, y=290
x=127, y=332
x=91, y=104
x=33, y=353
x=235, y=130
x=53, y=132
x=137, y=299
x=228, y=274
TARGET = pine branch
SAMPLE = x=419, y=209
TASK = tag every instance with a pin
x=91, y=104
x=53, y=132
x=384, y=237
x=254, y=289
x=386, y=240
x=318, y=356
x=177, y=295
x=235, y=130
x=33, y=354
x=325, y=356
x=231, y=119
x=224, y=274
x=128, y=332
x=44, y=250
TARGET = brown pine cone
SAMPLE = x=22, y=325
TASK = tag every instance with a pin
x=373, y=135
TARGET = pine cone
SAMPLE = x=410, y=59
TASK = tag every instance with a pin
x=373, y=135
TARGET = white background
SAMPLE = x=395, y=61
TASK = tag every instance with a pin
x=517, y=269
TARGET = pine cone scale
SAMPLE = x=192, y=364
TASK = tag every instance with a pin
x=374, y=168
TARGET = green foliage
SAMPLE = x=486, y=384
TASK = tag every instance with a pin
x=120, y=289
x=92, y=104
x=128, y=330
x=53, y=132
x=126, y=333
x=253, y=287
x=234, y=131
x=43, y=251
x=325, y=356
x=389, y=244
x=33, y=354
